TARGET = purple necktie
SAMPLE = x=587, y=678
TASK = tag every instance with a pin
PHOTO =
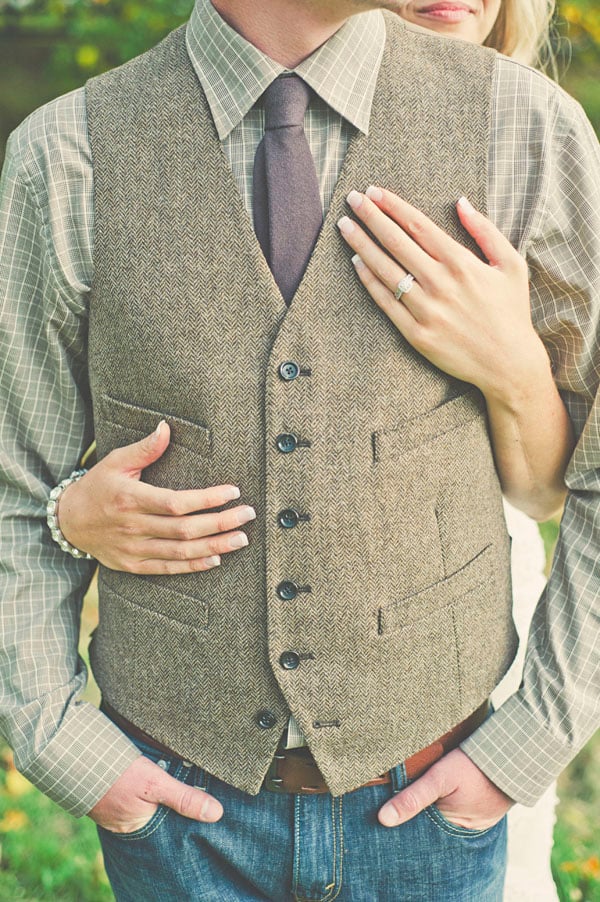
x=287, y=203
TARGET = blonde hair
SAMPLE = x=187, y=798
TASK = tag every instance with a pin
x=522, y=30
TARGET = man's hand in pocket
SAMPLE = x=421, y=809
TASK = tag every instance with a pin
x=131, y=802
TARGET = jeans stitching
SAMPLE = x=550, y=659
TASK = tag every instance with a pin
x=464, y=832
x=296, y=844
x=336, y=888
x=201, y=778
x=341, y=852
x=297, y=856
x=330, y=889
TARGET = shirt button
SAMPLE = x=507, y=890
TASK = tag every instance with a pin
x=266, y=720
x=287, y=590
x=289, y=370
x=288, y=518
x=286, y=442
x=289, y=660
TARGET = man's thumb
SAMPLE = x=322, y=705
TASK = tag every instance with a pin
x=189, y=801
x=141, y=454
x=410, y=801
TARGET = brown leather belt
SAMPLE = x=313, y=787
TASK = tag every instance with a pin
x=296, y=771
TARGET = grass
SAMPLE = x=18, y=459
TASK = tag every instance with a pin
x=576, y=854
x=47, y=855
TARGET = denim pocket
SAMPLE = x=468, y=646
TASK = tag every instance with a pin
x=176, y=768
x=434, y=814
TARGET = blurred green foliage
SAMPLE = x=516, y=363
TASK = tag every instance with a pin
x=89, y=36
x=578, y=45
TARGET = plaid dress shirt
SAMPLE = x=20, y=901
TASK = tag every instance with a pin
x=544, y=178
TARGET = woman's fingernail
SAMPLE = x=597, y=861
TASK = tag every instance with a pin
x=231, y=493
x=247, y=513
x=213, y=561
x=374, y=193
x=239, y=541
x=358, y=262
x=345, y=225
x=464, y=204
x=354, y=199
x=156, y=434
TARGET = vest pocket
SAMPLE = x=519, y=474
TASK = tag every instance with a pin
x=147, y=649
x=177, y=769
x=119, y=423
x=143, y=420
x=398, y=440
x=430, y=601
x=463, y=631
x=436, y=487
x=466, y=620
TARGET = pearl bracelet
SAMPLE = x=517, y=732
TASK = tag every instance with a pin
x=52, y=516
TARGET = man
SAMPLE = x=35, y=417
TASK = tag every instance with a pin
x=166, y=307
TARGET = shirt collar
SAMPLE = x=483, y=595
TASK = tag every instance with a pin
x=234, y=73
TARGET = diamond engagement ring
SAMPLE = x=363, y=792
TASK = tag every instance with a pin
x=404, y=286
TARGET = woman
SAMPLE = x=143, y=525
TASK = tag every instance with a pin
x=531, y=432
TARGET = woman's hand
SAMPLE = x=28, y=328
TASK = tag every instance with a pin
x=469, y=318
x=472, y=320
x=129, y=525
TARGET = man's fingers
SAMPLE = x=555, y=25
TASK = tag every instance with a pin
x=410, y=801
x=187, y=800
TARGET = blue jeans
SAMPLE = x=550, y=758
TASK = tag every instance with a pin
x=284, y=847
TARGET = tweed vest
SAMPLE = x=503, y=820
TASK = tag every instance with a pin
x=398, y=623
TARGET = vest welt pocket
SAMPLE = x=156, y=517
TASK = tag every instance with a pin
x=138, y=421
x=430, y=601
x=149, y=646
x=143, y=597
x=392, y=442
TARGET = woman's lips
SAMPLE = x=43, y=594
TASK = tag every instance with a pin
x=445, y=12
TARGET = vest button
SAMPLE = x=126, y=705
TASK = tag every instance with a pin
x=289, y=660
x=288, y=518
x=266, y=720
x=288, y=370
x=286, y=442
x=287, y=590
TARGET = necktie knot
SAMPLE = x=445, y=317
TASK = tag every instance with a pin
x=285, y=102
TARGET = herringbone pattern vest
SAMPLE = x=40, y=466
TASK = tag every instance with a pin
x=407, y=624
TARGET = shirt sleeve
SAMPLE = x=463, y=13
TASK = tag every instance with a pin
x=65, y=746
x=529, y=740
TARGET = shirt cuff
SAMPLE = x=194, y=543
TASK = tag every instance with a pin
x=517, y=752
x=84, y=758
